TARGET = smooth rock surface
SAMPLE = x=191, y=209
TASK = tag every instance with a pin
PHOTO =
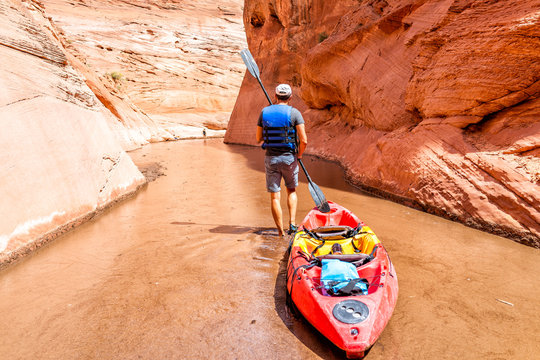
x=82, y=81
x=166, y=69
x=60, y=160
x=432, y=103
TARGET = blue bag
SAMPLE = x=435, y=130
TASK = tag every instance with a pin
x=341, y=278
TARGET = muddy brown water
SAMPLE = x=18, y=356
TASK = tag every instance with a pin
x=189, y=268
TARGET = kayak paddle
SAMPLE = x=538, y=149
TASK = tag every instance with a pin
x=314, y=190
x=253, y=69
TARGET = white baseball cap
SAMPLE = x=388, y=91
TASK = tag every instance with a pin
x=283, y=90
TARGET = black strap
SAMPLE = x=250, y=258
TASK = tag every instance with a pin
x=279, y=141
x=317, y=248
x=356, y=250
x=357, y=230
x=278, y=134
x=372, y=255
x=281, y=129
x=367, y=259
x=315, y=236
x=312, y=234
x=305, y=267
x=349, y=289
x=286, y=130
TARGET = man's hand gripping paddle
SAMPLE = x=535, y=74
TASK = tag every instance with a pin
x=314, y=190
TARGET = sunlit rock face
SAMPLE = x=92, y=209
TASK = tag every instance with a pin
x=60, y=160
x=432, y=103
x=82, y=81
x=163, y=67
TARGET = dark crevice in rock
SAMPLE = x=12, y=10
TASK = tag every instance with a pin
x=393, y=21
x=113, y=165
x=274, y=14
x=257, y=19
x=25, y=99
x=480, y=125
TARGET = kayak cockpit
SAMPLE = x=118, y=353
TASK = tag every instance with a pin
x=324, y=240
x=313, y=247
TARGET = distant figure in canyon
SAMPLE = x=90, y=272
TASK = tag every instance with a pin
x=282, y=132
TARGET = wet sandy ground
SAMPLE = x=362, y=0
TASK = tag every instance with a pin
x=189, y=269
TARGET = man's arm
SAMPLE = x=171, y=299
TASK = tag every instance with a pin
x=302, y=139
x=259, y=135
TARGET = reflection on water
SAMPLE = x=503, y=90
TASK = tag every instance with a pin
x=191, y=267
x=323, y=173
x=232, y=229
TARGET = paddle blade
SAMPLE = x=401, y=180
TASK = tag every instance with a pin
x=250, y=63
x=318, y=197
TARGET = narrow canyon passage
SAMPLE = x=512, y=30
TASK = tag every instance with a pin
x=189, y=268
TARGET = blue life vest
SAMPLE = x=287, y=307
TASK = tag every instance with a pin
x=278, y=131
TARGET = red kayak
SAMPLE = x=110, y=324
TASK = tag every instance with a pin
x=341, y=279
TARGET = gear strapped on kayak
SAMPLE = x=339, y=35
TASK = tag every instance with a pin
x=337, y=286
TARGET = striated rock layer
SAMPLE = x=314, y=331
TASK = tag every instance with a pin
x=60, y=160
x=432, y=103
x=162, y=67
x=82, y=81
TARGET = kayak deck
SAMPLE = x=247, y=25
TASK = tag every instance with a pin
x=353, y=323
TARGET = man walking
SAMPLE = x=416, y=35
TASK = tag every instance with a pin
x=278, y=128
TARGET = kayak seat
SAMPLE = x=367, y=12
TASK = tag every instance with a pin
x=344, y=257
x=332, y=232
x=339, y=225
x=367, y=242
x=359, y=245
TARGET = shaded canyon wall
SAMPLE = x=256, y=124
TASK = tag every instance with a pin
x=431, y=103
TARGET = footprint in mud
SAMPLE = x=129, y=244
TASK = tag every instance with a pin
x=266, y=232
x=232, y=229
x=182, y=223
x=235, y=229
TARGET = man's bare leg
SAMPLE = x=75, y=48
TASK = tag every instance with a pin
x=292, y=201
x=277, y=213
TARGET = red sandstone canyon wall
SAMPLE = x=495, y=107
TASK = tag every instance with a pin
x=432, y=103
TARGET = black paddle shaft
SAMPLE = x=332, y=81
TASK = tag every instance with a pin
x=265, y=93
x=305, y=171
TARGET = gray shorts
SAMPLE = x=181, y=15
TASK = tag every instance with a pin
x=281, y=166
